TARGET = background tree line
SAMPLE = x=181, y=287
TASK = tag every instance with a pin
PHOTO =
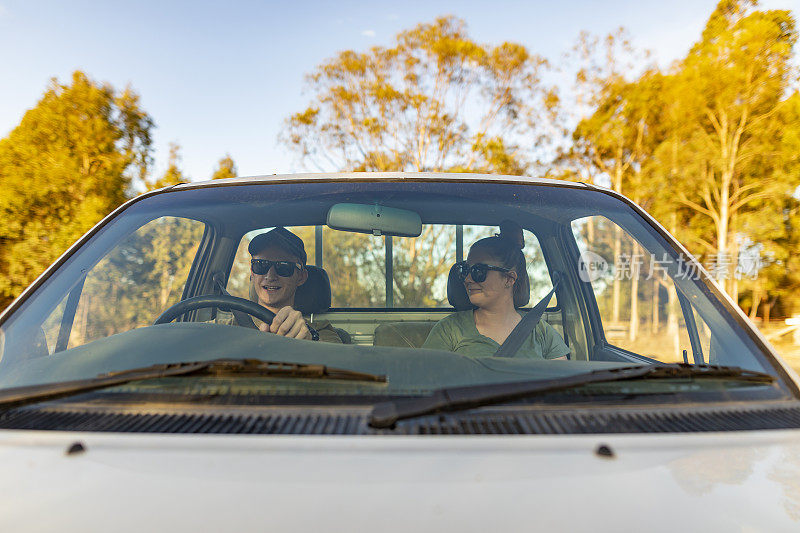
x=709, y=145
x=80, y=152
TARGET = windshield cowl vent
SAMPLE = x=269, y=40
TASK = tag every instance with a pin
x=483, y=422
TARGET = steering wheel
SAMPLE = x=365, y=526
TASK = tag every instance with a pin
x=215, y=300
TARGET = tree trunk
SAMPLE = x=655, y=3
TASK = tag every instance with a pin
x=617, y=287
x=166, y=286
x=80, y=321
x=672, y=300
x=617, y=186
x=633, y=327
x=723, y=229
x=756, y=301
x=733, y=254
x=672, y=320
x=655, y=306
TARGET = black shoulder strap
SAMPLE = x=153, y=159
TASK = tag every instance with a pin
x=242, y=318
x=523, y=330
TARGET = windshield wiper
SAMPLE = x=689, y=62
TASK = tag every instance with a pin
x=218, y=367
x=385, y=414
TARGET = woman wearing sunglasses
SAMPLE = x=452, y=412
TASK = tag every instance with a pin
x=278, y=268
x=496, y=281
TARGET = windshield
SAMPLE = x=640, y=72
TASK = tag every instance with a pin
x=401, y=279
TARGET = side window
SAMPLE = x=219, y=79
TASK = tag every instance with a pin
x=130, y=287
x=640, y=308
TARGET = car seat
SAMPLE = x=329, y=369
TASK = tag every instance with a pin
x=412, y=334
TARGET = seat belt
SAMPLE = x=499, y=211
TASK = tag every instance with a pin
x=525, y=326
x=242, y=318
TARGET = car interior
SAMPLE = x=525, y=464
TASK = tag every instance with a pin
x=380, y=260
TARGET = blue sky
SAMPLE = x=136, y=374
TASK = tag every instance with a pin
x=220, y=77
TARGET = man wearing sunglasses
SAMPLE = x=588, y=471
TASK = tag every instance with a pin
x=278, y=268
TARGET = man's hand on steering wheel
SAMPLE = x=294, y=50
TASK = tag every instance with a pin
x=288, y=322
x=224, y=301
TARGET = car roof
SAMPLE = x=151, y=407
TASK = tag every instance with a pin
x=377, y=178
x=381, y=176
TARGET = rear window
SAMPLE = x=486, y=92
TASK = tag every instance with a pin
x=418, y=267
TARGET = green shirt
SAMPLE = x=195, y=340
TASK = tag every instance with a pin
x=458, y=333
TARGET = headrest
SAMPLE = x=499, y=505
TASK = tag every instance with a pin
x=313, y=296
x=456, y=293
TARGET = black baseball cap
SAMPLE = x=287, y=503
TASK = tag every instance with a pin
x=281, y=238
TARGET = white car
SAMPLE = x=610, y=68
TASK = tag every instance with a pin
x=129, y=403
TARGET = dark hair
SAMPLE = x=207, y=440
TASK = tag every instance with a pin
x=506, y=248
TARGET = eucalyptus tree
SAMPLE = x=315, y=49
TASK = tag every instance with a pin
x=173, y=175
x=226, y=168
x=731, y=89
x=434, y=100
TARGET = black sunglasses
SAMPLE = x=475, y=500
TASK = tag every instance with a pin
x=283, y=268
x=478, y=271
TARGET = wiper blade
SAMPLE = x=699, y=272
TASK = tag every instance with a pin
x=251, y=367
x=218, y=367
x=385, y=414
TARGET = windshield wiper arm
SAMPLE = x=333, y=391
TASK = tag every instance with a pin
x=385, y=414
x=251, y=367
x=218, y=367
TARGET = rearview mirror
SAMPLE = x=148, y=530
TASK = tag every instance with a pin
x=374, y=219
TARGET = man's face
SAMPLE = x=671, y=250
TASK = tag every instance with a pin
x=274, y=291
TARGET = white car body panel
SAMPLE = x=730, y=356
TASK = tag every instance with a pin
x=744, y=481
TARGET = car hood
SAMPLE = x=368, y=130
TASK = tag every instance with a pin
x=123, y=482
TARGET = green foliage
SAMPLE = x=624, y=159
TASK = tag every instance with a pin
x=143, y=275
x=731, y=91
x=173, y=175
x=68, y=164
x=436, y=100
x=226, y=168
x=710, y=147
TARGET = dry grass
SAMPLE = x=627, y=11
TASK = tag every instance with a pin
x=784, y=344
x=660, y=345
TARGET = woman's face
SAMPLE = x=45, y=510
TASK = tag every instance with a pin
x=497, y=287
